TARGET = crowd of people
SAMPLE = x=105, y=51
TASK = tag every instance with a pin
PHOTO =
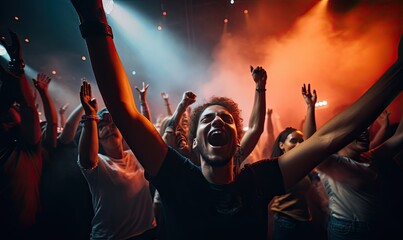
x=113, y=173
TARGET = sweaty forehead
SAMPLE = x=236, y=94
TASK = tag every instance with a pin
x=215, y=109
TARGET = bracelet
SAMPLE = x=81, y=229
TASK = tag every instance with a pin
x=85, y=118
x=95, y=28
x=260, y=90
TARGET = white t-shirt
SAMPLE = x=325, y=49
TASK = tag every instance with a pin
x=121, y=198
x=353, y=189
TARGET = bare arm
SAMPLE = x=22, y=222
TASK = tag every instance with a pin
x=62, y=115
x=117, y=93
x=269, y=139
x=41, y=83
x=88, y=144
x=145, y=110
x=393, y=145
x=30, y=129
x=257, y=117
x=70, y=128
x=342, y=129
x=169, y=136
x=165, y=97
x=309, y=127
x=380, y=135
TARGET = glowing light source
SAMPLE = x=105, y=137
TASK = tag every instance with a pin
x=164, y=13
x=54, y=72
x=133, y=72
x=321, y=103
x=108, y=6
x=16, y=18
x=26, y=40
x=3, y=51
x=83, y=58
x=246, y=11
x=232, y=1
x=159, y=27
x=226, y=20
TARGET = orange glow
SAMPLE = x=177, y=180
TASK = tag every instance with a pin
x=339, y=55
x=226, y=20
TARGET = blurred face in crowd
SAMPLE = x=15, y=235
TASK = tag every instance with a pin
x=108, y=133
x=293, y=139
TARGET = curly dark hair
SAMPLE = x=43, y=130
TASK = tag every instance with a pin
x=227, y=103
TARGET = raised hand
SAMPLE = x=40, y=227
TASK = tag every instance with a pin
x=63, y=108
x=188, y=98
x=165, y=96
x=309, y=97
x=259, y=75
x=383, y=119
x=89, y=104
x=42, y=82
x=143, y=92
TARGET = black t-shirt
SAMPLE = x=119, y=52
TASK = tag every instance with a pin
x=197, y=209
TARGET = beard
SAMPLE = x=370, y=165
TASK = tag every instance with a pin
x=216, y=161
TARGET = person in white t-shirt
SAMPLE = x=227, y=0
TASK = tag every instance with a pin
x=121, y=199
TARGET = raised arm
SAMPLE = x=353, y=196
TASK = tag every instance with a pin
x=170, y=136
x=140, y=134
x=309, y=126
x=70, y=128
x=41, y=83
x=30, y=129
x=88, y=145
x=269, y=138
x=165, y=97
x=393, y=145
x=145, y=110
x=380, y=136
x=257, y=117
x=342, y=129
x=62, y=114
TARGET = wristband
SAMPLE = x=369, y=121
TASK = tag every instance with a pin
x=260, y=90
x=95, y=28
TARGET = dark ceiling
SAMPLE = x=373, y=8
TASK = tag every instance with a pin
x=55, y=42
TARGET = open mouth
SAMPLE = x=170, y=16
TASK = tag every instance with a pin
x=217, y=138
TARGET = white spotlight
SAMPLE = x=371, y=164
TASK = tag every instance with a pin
x=3, y=51
x=108, y=6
